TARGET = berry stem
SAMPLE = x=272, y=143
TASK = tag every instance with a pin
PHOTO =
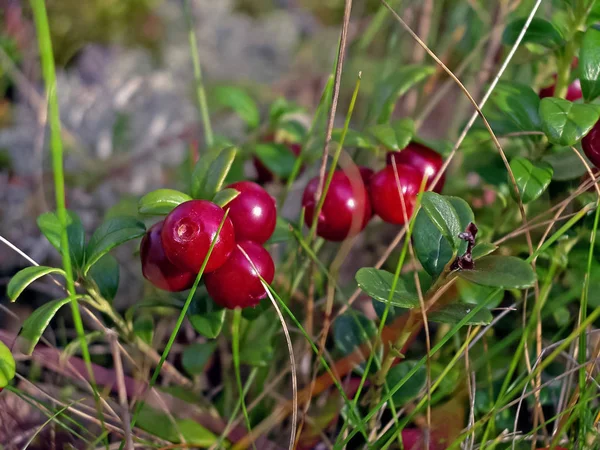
x=200, y=92
x=49, y=73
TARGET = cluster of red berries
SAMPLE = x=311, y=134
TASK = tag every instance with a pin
x=390, y=193
x=173, y=250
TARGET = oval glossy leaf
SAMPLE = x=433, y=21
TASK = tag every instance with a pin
x=211, y=171
x=7, y=365
x=223, y=197
x=105, y=274
x=109, y=235
x=25, y=277
x=565, y=163
x=433, y=250
x=540, y=31
x=589, y=64
x=239, y=101
x=196, y=356
x=506, y=272
x=393, y=87
x=564, y=122
x=50, y=226
x=278, y=158
x=351, y=330
x=35, y=325
x=483, y=249
x=354, y=138
x=455, y=312
x=394, y=136
x=412, y=387
x=443, y=215
x=532, y=178
x=519, y=104
x=161, y=202
x=474, y=294
x=377, y=284
x=206, y=316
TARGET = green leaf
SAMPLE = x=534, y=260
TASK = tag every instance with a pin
x=413, y=385
x=196, y=356
x=143, y=327
x=35, y=325
x=282, y=232
x=433, y=250
x=589, y=64
x=238, y=100
x=378, y=284
x=7, y=365
x=109, y=235
x=254, y=312
x=540, y=31
x=507, y=272
x=394, y=136
x=565, y=164
x=443, y=215
x=519, y=104
x=351, y=330
x=483, y=249
x=256, y=346
x=564, y=122
x=223, y=197
x=474, y=294
x=532, y=178
x=105, y=274
x=278, y=158
x=50, y=226
x=206, y=316
x=161, y=202
x=281, y=107
x=210, y=172
x=162, y=426
x=455, y=312
x=392, y=88
x=353, y=138
x=25, y=277
x=393, y=311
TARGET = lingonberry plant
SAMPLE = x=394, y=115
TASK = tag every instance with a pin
x=310, y=285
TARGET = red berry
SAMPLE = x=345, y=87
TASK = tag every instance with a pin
x=253, y=212
x=385, y=196
x=263, y=174
x=346, y=210
x=188, y=232
x=591, y=144
x=573, y=91
x=157, y=269
x=424, y=159
x=366, y=173
x=236, y=283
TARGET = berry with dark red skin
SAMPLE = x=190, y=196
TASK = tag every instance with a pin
x=263, y=174
x=591, y=144
x=189, y=230
x=157, y=269
x=366, y=173
x=346, y=210
x=236, y=283
x=385, y=196
x=253, y=212
x=424, y=159
x=573, y=91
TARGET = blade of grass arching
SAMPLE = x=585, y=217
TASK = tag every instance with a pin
x=236, y=409
x=50, y=419
x=49, y=73
x=334, y=162
x=235, y=343
x=200, y=92
x=175, y=331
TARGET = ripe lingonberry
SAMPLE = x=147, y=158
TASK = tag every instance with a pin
x=591, y=144
x=573, y=91
x=236, y=284
x=263, y=174
x=385, y=192
x=157, y=269
x=346, y=210
x=424, y=159
x=366, y=173
x=188, y=232
x=253, y=212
